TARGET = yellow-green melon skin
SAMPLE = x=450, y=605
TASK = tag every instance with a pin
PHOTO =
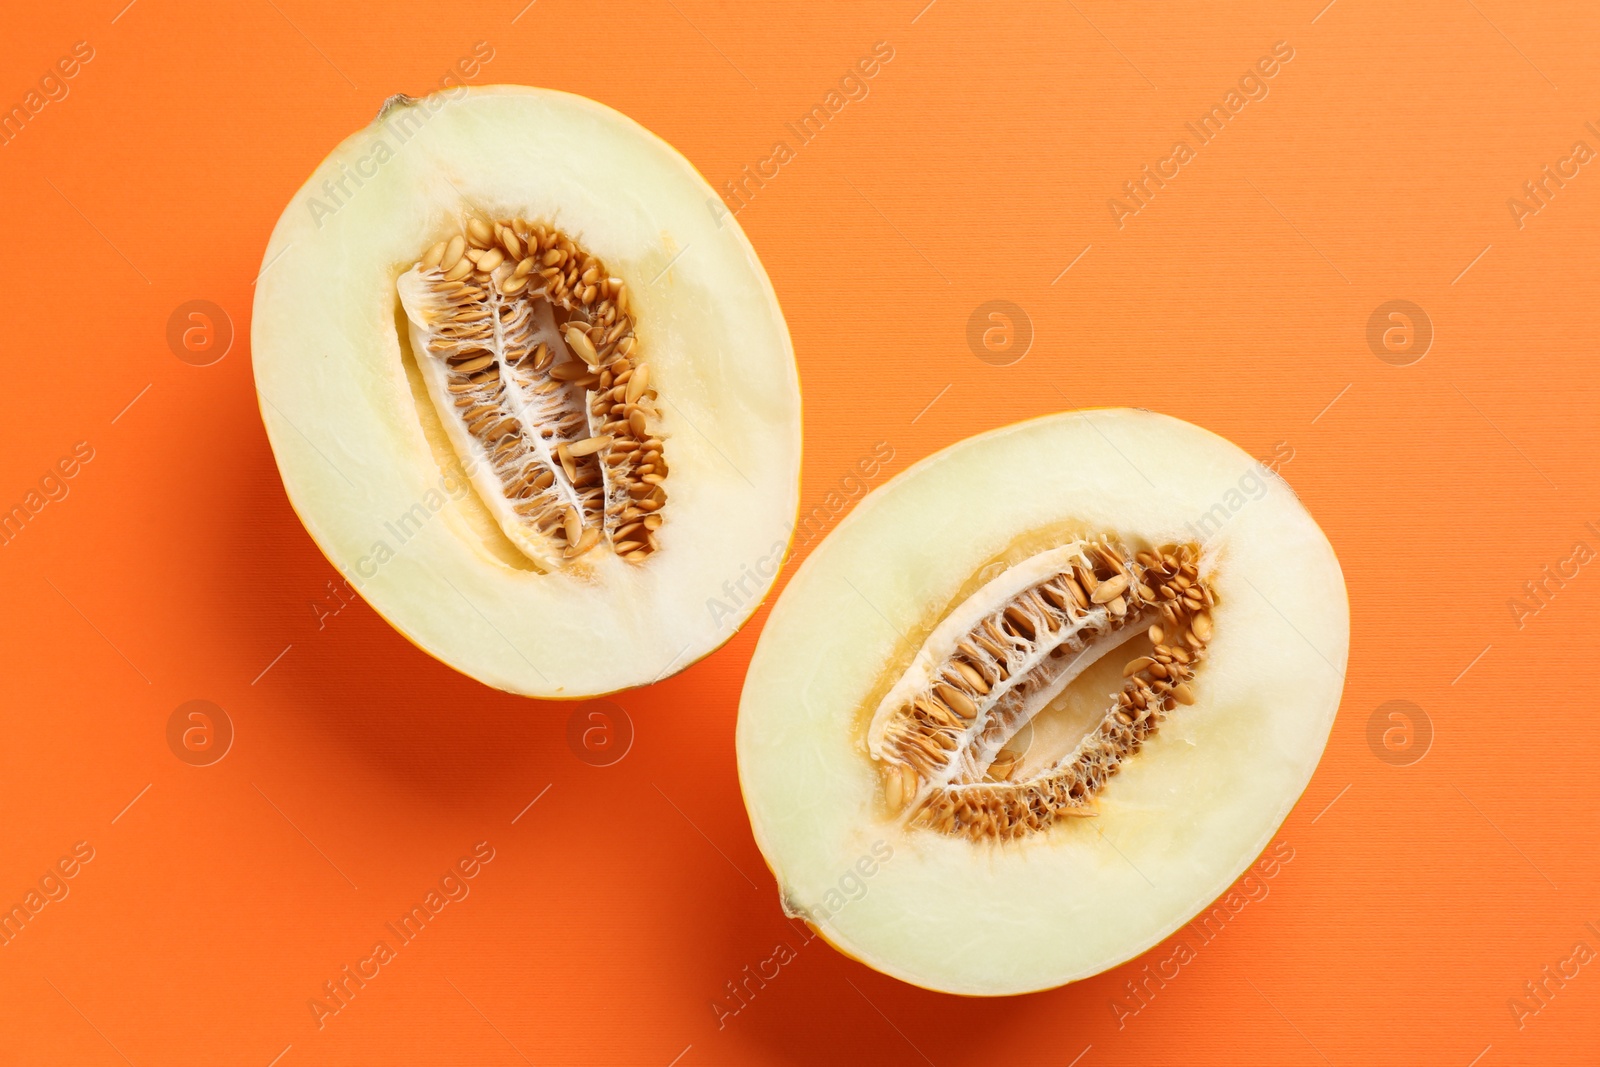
x=380, y=493
x=1184, y=817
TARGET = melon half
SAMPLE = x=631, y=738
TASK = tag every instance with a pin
x=1041, y=698
x=529, y=389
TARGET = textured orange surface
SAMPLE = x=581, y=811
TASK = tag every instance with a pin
x=1444, y=856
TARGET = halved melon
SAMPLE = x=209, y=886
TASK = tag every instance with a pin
x=530, y=390
x=1040, y=698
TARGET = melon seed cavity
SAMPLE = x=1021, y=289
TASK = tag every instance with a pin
x=999, y=659
x=532, y=361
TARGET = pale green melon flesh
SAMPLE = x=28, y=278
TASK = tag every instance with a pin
x=367, y=464
x=1183, y=818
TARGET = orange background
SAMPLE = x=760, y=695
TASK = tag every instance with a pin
x=1421, y=897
